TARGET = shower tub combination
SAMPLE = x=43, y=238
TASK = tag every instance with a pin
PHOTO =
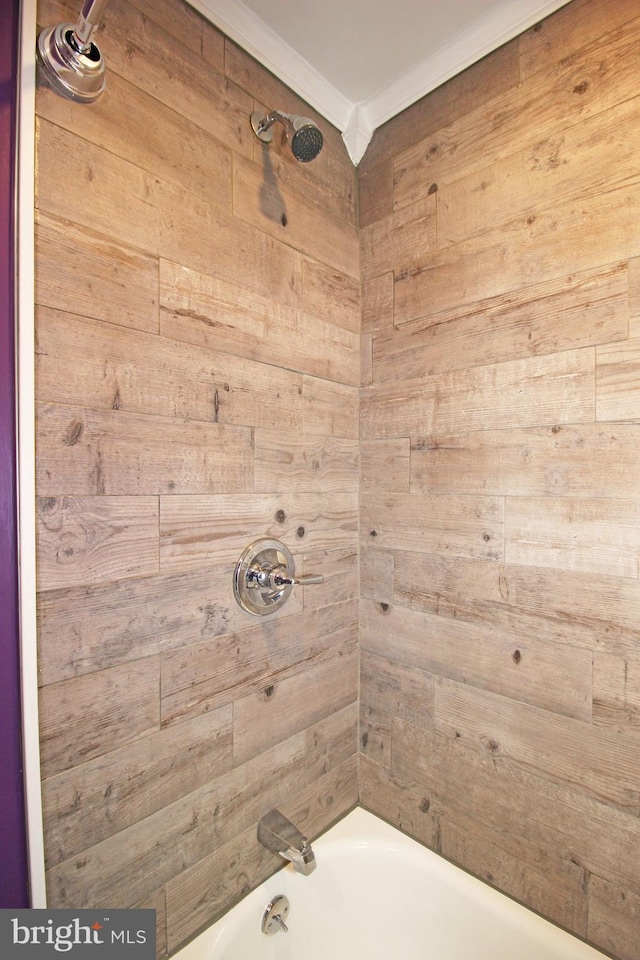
x=376, y=893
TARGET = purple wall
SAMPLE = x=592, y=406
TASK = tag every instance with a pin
x=13, y=861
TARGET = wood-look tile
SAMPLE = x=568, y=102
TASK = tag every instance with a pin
x=287, y=463
x=222, y=670
x=537, y=391
x=84, y=452
x=566, y=822
x=449, y=525
x=86, y=717
x=386, y=465
x=614, y=918
x=330, y=409
x=86, y=629
x=603, y=763
x=283, y=707
x=211, y=312
x=545, y=104
x=119, y=369
x=519, y=666
x=112, y=282
x=331, y=295
x=105, y=794
x=85, y=540
x=292, y=216
x=569, y=29
x=593, y=535
x=587, y=460
x=198, y=531
x=538, y=320
x=565, y=606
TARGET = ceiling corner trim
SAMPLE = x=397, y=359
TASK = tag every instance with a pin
x=357, y=134
x=358, y=121
x=485, y=34
x=240, y=24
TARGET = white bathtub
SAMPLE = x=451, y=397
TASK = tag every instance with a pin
x=380, y=895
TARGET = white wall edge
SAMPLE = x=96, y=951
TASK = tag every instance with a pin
x=26, y=452
x=240, y=24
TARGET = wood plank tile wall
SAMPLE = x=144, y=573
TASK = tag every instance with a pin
x=202, y=334
x=500, y=419
x=198, y=358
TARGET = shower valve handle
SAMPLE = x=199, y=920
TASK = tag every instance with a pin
x=265, y=575
x=280, y=577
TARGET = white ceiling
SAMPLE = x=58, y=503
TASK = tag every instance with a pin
x=359, y=62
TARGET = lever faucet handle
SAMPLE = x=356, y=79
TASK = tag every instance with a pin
x=310, y=578
x=265, y=576
x=279, y=577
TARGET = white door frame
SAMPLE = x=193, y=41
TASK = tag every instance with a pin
x=25, y=406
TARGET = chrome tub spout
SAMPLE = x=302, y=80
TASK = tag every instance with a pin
x=280, y=836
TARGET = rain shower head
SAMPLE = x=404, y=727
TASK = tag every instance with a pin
x=303, y=135
x=69, y=61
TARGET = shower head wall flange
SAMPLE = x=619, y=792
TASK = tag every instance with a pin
x=303, y=135
x=262, y=132
x=70, y=62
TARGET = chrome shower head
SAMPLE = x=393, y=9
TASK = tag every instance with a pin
x=69, y=61
x=305, y=138
x=303, y=135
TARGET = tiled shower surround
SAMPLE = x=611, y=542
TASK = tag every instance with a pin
x=424, y=369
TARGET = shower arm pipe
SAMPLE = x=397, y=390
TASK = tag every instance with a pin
x=274, y=116
x=87, y=22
